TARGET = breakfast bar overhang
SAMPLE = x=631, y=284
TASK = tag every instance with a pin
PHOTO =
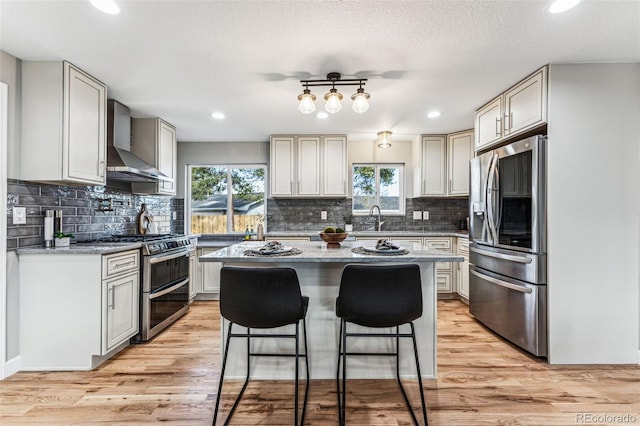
x=319, y=271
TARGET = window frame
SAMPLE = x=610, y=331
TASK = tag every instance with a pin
x=401, y=184
x=229, y=167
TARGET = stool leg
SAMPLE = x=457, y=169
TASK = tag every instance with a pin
x=224, y=364
x=344, y=373
x=415, y=351
x=404, y=393
x=295, y=391
x=246, y=382
x=306, y=360
x=338, y=374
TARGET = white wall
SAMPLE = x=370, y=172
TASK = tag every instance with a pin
x=594, y=213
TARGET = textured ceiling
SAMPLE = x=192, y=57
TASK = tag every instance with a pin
x=182, y=60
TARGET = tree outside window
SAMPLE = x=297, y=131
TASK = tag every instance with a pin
x=226, y=199
x=378, y=184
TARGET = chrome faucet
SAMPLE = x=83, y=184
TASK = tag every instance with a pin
x=375, y=206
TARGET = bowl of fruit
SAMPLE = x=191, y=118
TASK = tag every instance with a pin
x=333, y=236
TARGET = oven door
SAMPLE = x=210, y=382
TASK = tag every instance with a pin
x=165, y=296
x=516, y=196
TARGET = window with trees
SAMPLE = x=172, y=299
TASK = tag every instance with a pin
x=378, y=184
x=226, y=199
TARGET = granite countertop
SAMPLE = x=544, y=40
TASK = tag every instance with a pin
x=221, y=242
x=317, y=251
x=82, y=248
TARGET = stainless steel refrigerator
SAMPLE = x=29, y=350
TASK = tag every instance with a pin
x=507, y=233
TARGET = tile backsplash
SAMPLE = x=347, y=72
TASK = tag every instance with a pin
x=85, y=211
x=302, y=215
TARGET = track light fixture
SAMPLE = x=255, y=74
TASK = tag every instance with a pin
x=333, y=98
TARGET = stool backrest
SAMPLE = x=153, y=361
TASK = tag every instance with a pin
x=260, y=297
x=380, y=296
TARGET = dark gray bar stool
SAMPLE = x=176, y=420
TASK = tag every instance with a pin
x=263, y=298
x=378, y=297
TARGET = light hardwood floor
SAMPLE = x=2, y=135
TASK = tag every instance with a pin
x=481, y=381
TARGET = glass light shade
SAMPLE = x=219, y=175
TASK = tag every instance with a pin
x=560, y=6
x=333, y=99
x=307, y=104
x=384, y=139
x=360, y=102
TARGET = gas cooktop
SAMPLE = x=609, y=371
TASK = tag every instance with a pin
x=151, y=243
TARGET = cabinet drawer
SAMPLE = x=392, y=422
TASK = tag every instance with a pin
x=443, y=282
x=115, y=264
x=443, y=244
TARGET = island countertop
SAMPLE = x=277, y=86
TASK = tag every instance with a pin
x=317, y=251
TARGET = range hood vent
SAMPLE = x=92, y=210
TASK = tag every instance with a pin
x=122, y=164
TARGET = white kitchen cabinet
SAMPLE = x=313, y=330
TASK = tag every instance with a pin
x=459, y=152
x=463, y=268
x=193, y=275
x=442, y=165
x=154, y=141
x=308, y=166
x=209, y=285
x=444, y=270
x=64, y=113
x=77, y=310
x=519, y=109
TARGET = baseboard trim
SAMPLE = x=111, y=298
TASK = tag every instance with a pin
x=12, y=366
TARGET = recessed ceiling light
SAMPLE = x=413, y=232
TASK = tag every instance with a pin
x=322, y=115
x=218, y=115
x=106, y=6
x=559, y=6
x=434, y=114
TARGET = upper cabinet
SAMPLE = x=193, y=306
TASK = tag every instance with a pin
x=443, y=164
x=308, y=166
x=517, y=110
x=154, y=141
x=64, y=112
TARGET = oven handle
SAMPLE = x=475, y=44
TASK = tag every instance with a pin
x=162, y=258
x=168, y=290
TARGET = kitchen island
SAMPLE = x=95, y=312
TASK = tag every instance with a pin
x=319, y=270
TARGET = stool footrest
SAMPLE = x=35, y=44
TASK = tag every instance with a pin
x=274, y=354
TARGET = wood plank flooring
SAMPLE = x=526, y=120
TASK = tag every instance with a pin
x=481, y=381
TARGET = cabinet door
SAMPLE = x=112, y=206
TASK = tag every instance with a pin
x=434, y=169
x=334, y=166
x=463, y=268
x=210, y=274
x=459, y=152
x=84, y=133
x=308, y=166
x=526, y=104
x=488, y=124
x=282, y=166
x=167, y=157
x=121, y=309
x=193, y=276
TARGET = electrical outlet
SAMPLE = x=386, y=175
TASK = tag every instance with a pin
x=19, y=215
x=425, y=215
x=323, y=215
x=417, y=215
x=174, y=215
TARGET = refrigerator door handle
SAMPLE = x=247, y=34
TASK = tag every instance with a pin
x=501, y=256
x=500, y=282
x=490, y=201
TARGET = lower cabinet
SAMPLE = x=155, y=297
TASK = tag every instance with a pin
x=194, y=273
x=444, y=270
x=77, y=310
x=463, y=268
x=209, y=277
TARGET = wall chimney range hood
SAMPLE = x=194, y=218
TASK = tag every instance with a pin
x=122, y=164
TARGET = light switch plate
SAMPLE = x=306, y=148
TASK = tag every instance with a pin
x=425, y=215
x=323, y=215
x=417, y=215
x=19, y=215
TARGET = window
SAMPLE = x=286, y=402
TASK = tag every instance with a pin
x=226, y=199
x=380, y=184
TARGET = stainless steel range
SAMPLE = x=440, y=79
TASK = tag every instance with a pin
x=164, y=280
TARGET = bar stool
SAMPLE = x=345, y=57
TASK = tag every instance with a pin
x=378, y=297
x=262, y=298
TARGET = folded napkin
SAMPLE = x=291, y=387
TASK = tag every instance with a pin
x=271, y=247
x=386, y=245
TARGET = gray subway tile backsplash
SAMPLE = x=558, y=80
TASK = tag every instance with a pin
x=81, y=211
